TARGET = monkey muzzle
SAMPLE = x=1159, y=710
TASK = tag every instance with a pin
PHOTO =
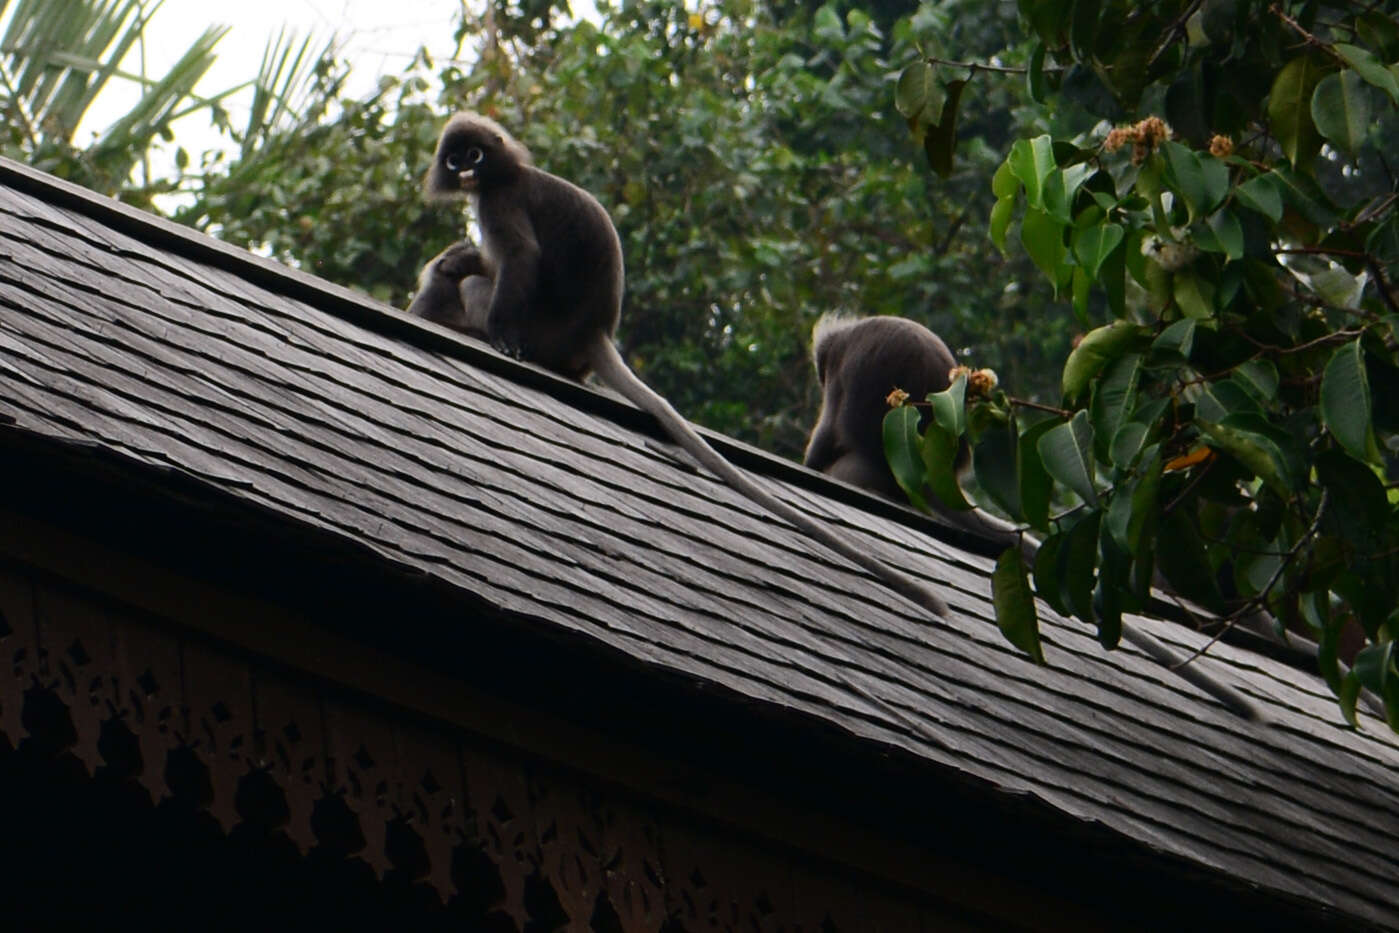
x=467, y=179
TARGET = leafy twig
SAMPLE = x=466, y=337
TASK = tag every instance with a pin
x=979, y=66
x=1337, y=336
x=1025, y=403
x=1174, y=31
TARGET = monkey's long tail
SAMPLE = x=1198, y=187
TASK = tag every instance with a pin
x=1168, y=659
x=614, y=372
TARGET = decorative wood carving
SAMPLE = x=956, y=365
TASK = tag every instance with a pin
x=503, y=840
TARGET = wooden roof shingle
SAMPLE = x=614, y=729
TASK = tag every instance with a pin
x=556, y=504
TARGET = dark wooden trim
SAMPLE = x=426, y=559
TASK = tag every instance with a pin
x=274, y=634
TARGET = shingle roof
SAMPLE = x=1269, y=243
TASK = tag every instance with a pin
x=169, y=349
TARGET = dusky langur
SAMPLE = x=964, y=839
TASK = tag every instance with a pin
x=453, y=290
x=859, y=361
x=555, y=264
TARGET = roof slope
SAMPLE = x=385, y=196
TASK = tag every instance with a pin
x=170, y=350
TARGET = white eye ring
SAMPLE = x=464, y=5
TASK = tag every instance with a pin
x=474, y=156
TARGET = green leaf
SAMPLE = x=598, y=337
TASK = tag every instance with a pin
x=1092, y=245
x=1047, y=573
x=1001, y=214
x=918, y=94
x=1174, y=344
x=1067, y=453
x=1127, y=443
x=941, y=140
x=1228, y=231
x=1004, y=184
x=1015, y=604
x=939, y=453
x=1082, y=288
x=828, y=24
x=1262, y=194
x=1112, y=276
x=903, y=449
x=1221, y=400
x=1060, y=186
x=1348, y=696
x=1034, y=74
x=1043, y=237
x=1193, y=294
x=1098, y=348
x=1185, y=176
x=1289, y=110
x=1345, y=402
x=1031, y=161
x=1374, y=665
x=950, y=406
x=1255, y=450
x=1341, y=110
x=1216, y=177
x=1075, y=564
x=1114, y=397
x=1369, y=68
x=1305, y=196
x=1118, y=517
x=1036, y=487
x=1259, y=378
x=993, y=462
x=1144, y=510
x=1113, y=573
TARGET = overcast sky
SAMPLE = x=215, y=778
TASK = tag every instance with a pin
x=381, y=38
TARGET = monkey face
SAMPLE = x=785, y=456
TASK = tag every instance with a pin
x=464, y=162
x=473, y=152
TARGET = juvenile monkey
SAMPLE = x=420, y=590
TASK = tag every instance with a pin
x=555, y=264
x=859, y=361
x=454, y=291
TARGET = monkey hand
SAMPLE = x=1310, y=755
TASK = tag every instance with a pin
x=458, y=261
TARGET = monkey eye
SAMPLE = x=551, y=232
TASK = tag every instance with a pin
x=456, y=162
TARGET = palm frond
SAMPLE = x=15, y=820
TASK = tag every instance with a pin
x=135, y=132
x=283, y=82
